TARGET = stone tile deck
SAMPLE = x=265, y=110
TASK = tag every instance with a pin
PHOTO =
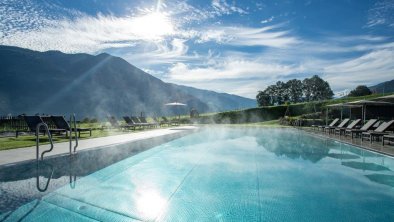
x=376, y=146
x=13, y=156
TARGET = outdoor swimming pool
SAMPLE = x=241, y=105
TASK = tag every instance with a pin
x=229, y=174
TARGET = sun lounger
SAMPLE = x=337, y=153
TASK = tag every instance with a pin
x=61, y=123
x=332, y=128
x=130, y=122
x=367, y=126
x=378, y=132
x=138, y=122
x=114, y=123
x=323, y=126
x=33, y=121
x=143, y=120
x=353, y=124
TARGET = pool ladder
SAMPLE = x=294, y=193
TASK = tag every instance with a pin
x=38, y=129
x=38, y=159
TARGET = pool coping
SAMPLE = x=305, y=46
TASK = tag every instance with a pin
x=21, y=157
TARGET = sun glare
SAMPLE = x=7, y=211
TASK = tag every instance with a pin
x=150, y=203
x=153, y=26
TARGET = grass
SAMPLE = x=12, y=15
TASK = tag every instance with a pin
x=30, y=140
x=7, y=143
x=351, y=99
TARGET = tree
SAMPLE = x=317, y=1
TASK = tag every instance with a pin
x=281, y=92
x=263, y=99
x=294, y=90
x=315, y=88
x=361, y=90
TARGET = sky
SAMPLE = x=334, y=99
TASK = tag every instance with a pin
x=232, y=46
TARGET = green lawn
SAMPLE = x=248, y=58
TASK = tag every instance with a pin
x=30, y=140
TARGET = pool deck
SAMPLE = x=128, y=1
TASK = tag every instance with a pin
x=15, y=156
x=376, y=146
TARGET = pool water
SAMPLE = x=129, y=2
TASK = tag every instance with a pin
x=229, y=174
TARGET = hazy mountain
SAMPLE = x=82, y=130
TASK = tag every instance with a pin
x=386, y=87
x=219, y=101
x=58, y=83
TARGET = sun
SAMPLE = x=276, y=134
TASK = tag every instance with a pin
x=152, y=26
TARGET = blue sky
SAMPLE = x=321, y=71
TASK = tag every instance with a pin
x=231, y=46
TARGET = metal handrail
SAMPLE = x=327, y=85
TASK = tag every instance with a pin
x=73, y=122
x=38, y=140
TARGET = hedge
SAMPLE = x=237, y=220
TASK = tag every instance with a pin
x=262, y=113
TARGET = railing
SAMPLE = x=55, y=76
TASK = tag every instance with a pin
x=38, y=140
x=40, y=158
x=73, y=122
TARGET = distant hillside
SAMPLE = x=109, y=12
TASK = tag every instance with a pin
x=384, y=87
x=58, y=83
x=219, y=101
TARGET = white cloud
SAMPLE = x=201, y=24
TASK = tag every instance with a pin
x=222, y=7
x=233, y=75
x=162, y=52
x=229, y=69
x=244, y=74
x=92, y=34
x=382, y=13
x=247, y=36
x=374, y=67
x=270, y=19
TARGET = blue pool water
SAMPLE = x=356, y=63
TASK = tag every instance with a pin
x=224, y=174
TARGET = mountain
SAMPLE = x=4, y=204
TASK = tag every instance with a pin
x=218, y=101
x=386, y=87
x=57, y=83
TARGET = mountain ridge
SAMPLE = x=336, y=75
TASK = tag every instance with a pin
x=383, y=87
x=58, y=83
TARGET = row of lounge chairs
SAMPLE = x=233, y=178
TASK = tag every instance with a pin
x=139, y=122
x=62, y=126
x=372, y=130
x=133, y=122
